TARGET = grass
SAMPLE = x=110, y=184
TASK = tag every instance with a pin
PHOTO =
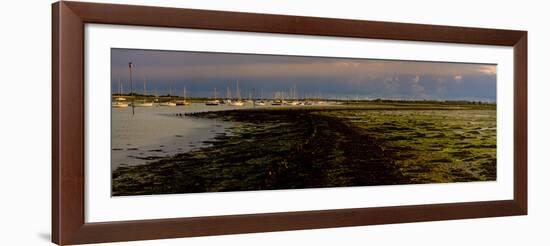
x=432, y=146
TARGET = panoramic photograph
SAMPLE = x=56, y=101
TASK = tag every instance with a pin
x=192, y=122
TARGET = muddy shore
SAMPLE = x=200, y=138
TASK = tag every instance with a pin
x=268, y=149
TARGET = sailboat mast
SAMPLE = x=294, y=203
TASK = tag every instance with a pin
x=171, y=90
x=238, y=91
x=119, y=89
x=144, y=86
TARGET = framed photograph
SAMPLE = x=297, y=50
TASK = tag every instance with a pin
x=177, y=123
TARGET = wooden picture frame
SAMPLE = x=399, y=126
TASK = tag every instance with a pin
x=68, y=223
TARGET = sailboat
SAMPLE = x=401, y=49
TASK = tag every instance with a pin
x=183, y=102
x=227, y=96
x=120, y=101
x=169, y=103
x=237, y=102
x=278, y=100
x=261, y=102
x=215, y=101
x=292, y=94
x=143, y=102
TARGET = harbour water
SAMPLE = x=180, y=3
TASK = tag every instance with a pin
x=155, y=132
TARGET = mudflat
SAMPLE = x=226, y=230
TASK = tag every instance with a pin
x=337, y=146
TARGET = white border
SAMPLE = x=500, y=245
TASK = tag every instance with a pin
x=100, y=206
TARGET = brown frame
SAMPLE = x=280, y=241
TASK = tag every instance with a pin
x=68, y=224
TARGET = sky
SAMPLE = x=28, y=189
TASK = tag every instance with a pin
x=337, y=78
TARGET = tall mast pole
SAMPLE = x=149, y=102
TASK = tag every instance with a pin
x=131, y=86
x=171, y=89
x=254, y=97
x=238, y=92
x=144, y=87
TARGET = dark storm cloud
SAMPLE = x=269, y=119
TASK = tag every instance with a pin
x=200, y=73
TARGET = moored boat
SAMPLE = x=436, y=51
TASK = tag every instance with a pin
x=237, y=101
x=183, y=102
x=143, y=103
x=169, y=104
x=214, y=101
x=120, y=102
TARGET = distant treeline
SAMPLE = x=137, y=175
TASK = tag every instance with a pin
x=378, y=100
x=422, y=101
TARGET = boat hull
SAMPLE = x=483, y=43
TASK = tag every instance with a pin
x=120, y=105
x=143, y=104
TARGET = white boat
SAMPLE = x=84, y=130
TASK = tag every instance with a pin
x=261, y=102
x=169, y=104
x=143, y=102
x=238, y=101
x=212, y=103
x=183, y=102
x=119, y=105
x=215, y=101
x=120, y=101
x=227, y=97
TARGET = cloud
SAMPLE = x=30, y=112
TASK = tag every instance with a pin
x=339, y=76
x=195, y=65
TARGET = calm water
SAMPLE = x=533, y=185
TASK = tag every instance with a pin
x=155, y=132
